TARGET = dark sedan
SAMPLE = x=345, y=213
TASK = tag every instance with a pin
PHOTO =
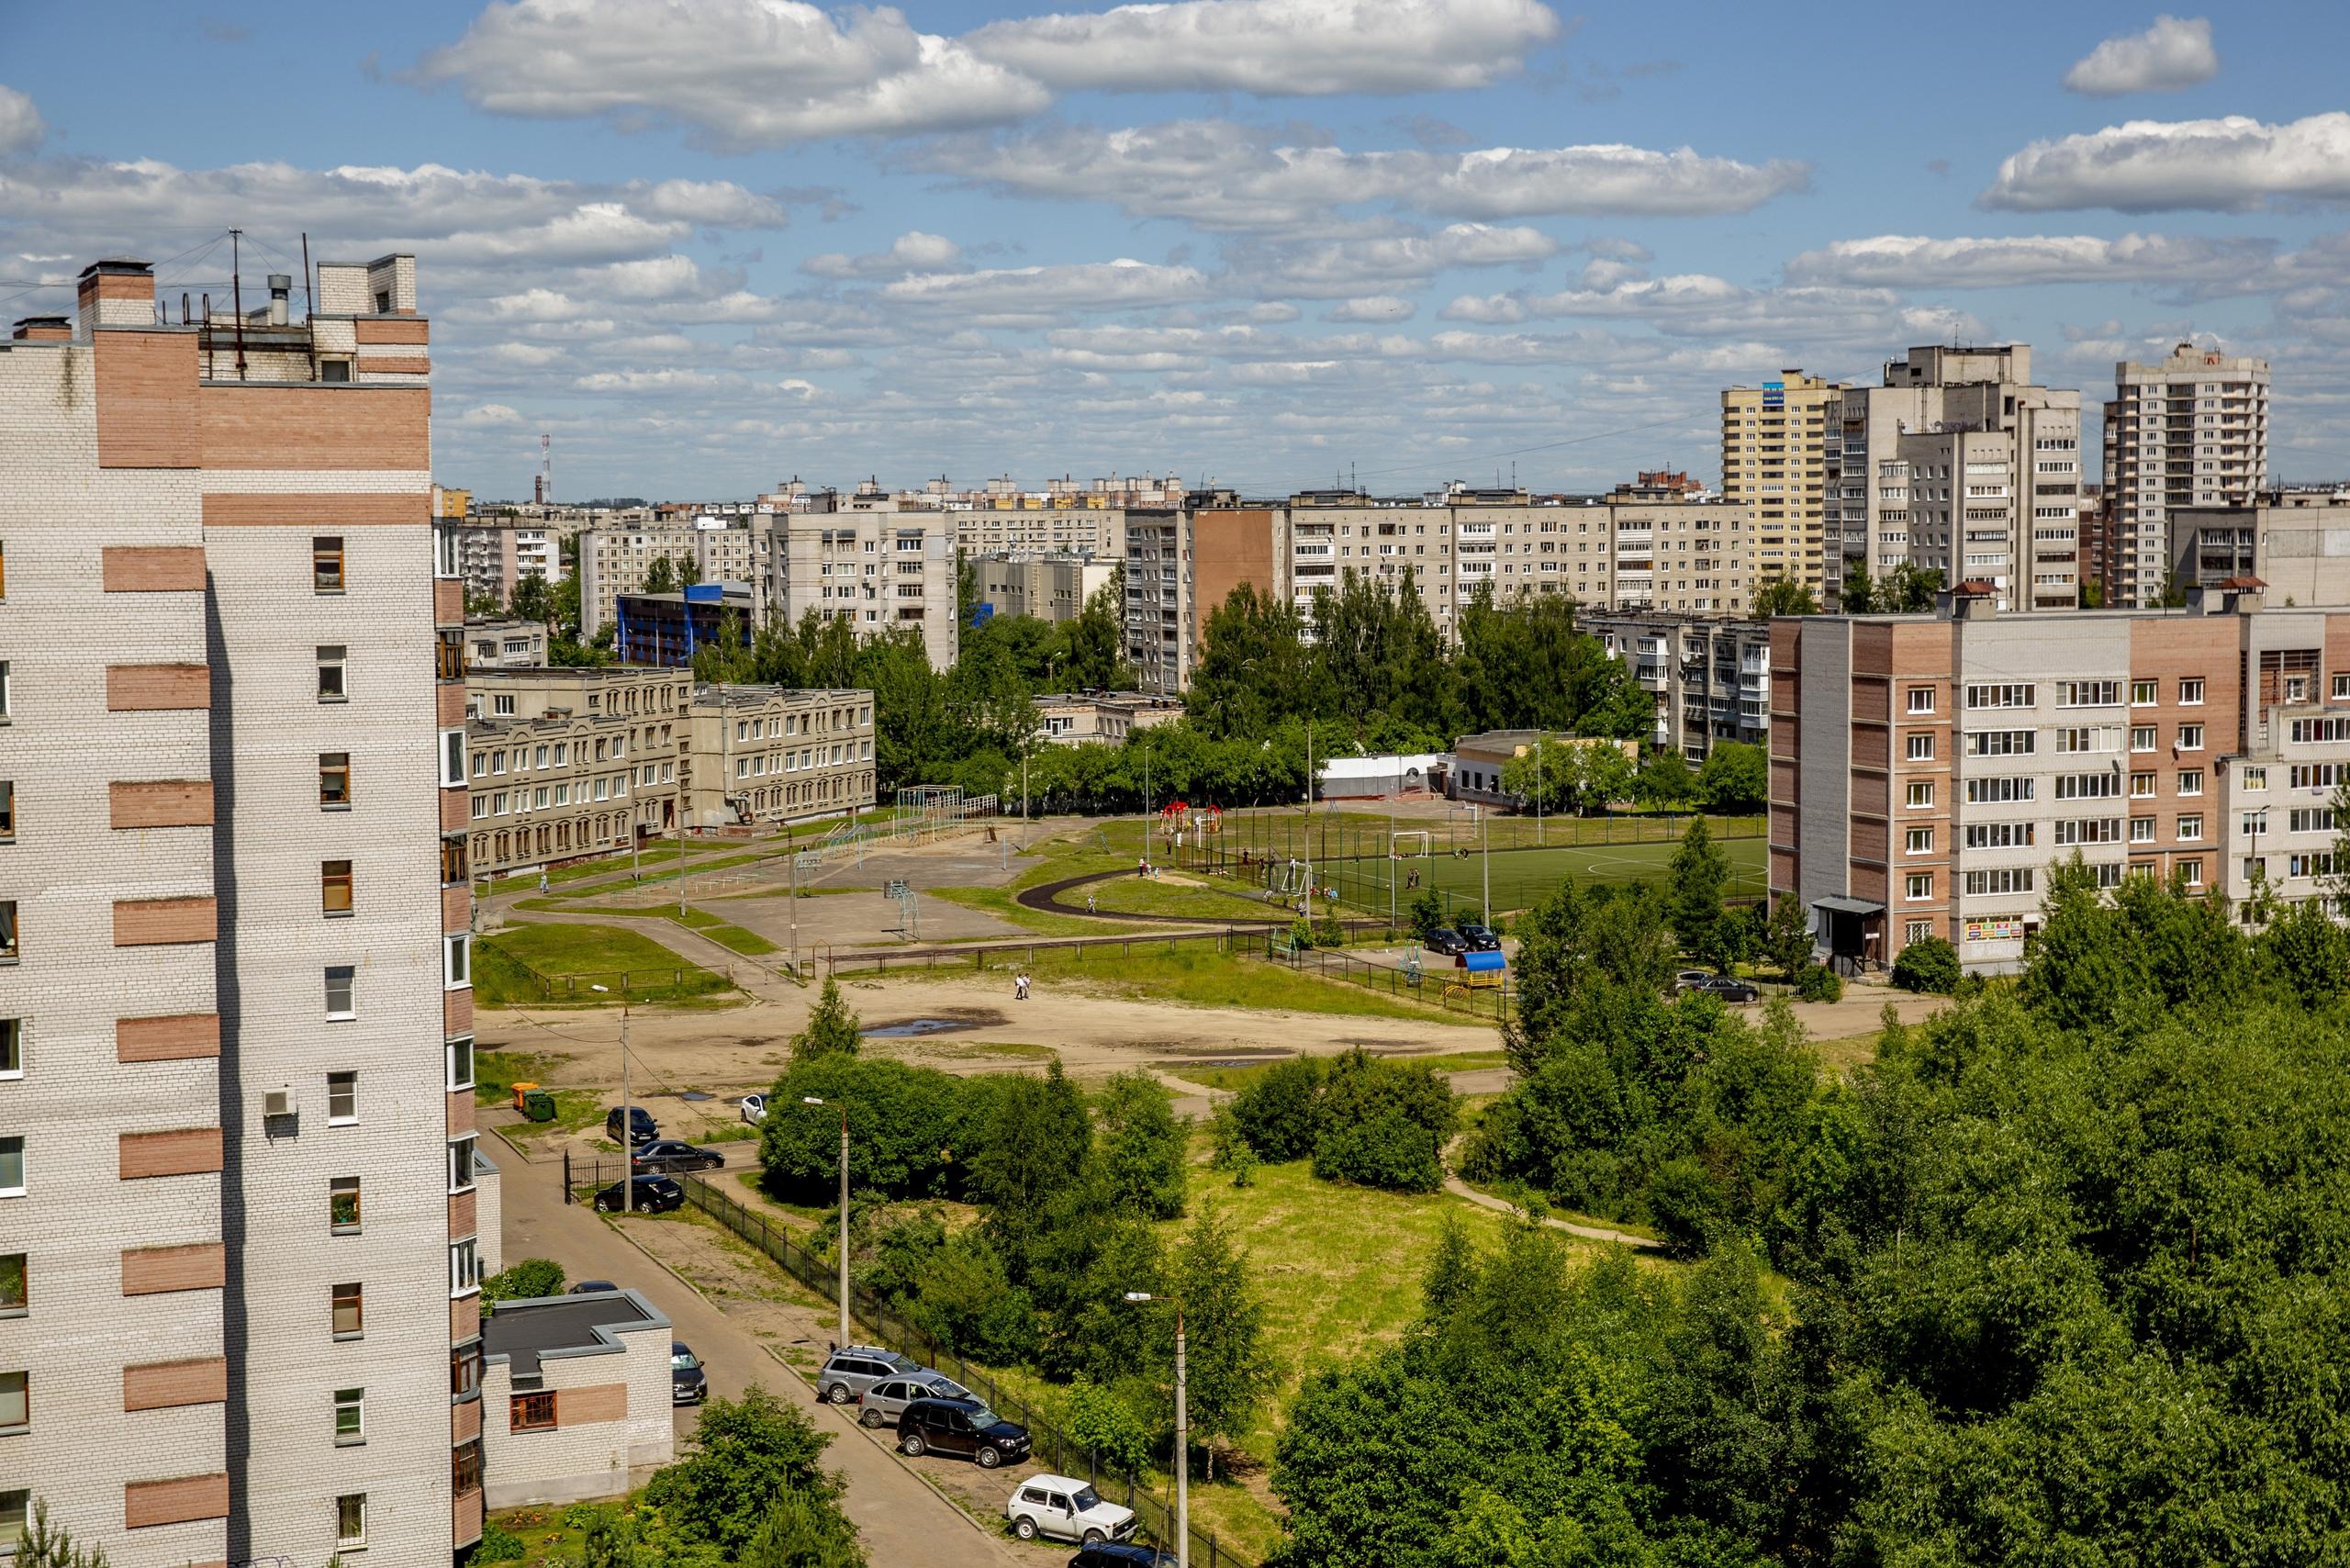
x=654, y=1195
x=1481, y=938
x=1724, y=989
x=669, y=1155
x=1445, y=940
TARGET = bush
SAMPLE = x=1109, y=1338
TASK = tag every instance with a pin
x=1101, y=1421
x=1820, y=983
x=1390, y=1150
x=1275, y=1111
x=1301, y=935
x=1328, y=930
x=526, y=1281
x=903, y=1123
x=1687, y=1206
x=499, y=1544
x=1929, y=968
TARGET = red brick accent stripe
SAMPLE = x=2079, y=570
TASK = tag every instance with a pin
x=132, y=689
x=153, y=1271
x=176, y=1501
x=321, y=509
x=180, y=1037
x=152, y=569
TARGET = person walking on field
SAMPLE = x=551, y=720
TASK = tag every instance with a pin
x=1088, y=903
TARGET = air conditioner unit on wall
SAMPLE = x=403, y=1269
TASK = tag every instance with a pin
x=277, y=1102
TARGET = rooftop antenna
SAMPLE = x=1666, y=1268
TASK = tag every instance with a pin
x=547, y=467
x=237, y=294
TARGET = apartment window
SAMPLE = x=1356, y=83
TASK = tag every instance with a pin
x=1917, y=930
x=2190, y=828
x=464, y=1268
x=464, y=1371
x=2001, y=743
x=15, y=1402
x=7, y=931
x=1921, y=700
x=326, y=565
x=1917, y=887
x=331, y=685
x=334, y=887
x=2252, y=823
x=2341, y=687
x=351, y=1521
x=15, y=1293
x=455, y=859
x=2016, y=696
x=2190, y=738
x=343, y=1205
x=2142, y=786
x=460, y=1057
x=342, y=992
x=2191, y=872
x=2006, y=879
x=2190, y=692
x=350, y=1416
x=1920, y=795
x=2142, y=694
x=12, y=1047
x=334, y=780
x=12, y=1166
x=1921, y=748
x=465, y=1467
x=460, y=1164
x=532, y=1413
x=349, y=1316
x=2191, y=781
x=343, y=1099
x=2142, y=737
x=1919, y=841
x=7, y=811
x=457, y=961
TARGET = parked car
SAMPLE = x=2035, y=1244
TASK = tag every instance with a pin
x=641, y=1128
x=654, y=1195
x=589, y=1287
x=882, y=1404
x=1690, y=980
x=669, y=1154
x=852, y=1369
x=753, y=1108
x=689, y=1384
x=1481, y=938
x=1065, y=1509
x=1445, y=940
x=1121, y=1554
x=961, y=1426
x=1724, y=987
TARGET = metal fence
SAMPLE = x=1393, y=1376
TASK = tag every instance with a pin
x=1149, y=1497
x=977, y=956
x=1443, y=987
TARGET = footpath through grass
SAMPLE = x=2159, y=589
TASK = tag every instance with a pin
x=526, y=966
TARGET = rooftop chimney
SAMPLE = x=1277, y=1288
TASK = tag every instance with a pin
x=44, y=330
x=281, y=288
x=116, y=293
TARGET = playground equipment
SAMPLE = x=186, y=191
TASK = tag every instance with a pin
x=1288, y=880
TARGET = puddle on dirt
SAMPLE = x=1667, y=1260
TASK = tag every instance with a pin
x=906, y=1028
x=697, y=1094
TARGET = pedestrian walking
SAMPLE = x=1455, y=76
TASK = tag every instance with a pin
x=1088, y=903
x=542, y=878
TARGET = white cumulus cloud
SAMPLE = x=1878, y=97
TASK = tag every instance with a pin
x=1372, y=308
x=1088, y=285
x=2174, y=52
x=21, y=129
x=745, y=74
x=913, y=252
x=1274, y=48
x=2222, y=165
x=1898, y=261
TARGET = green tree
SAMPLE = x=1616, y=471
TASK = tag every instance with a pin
x=1143, y=1146
x=1787, y=940
x=533, y=598
x=745, y=1456
x=661, y=576
x=1735, y=780
x=1929, y=966
x=832, y=1027
x=1425, y=912
x=1784, y=596
x=1666, y=782
x=45, y=1545
x=1858, y=594
x=1277, y=1111
x=1038, y=1145
x=1101, y=1423
x=2310, y=952
x=1230, y=1365
x=804, y=1530
x=910, y=1129
x=610, y=1541
x=527, y=1279
x=1700, y=877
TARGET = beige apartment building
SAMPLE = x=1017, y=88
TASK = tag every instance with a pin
x=1925, y=769
x=1779, y=442
x=2188, y=432
x=567, y=764
x=880, y=569
x=2296, y=541
x=1902, y=491
x=616, y=561
x=1030, y=524
x=1050, y=588
x=239, y=1197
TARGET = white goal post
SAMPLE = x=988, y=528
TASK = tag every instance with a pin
x=1411, y=844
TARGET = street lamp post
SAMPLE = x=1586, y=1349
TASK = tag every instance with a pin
x=628, y=1121
x=1182, y=1442
x=1538, y=791
x=812, y=1099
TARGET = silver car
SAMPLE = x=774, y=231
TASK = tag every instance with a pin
x=852, y=1369
x=881, y=1404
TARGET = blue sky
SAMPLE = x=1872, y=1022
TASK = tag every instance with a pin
x=712, y=243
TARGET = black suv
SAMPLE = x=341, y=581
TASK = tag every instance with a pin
x=669, y=1155
x=653, y=1195
x=1481, y=938
x=964, y=1426
x=641, y=1128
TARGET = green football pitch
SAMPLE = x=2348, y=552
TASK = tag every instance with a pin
x=1522, y=877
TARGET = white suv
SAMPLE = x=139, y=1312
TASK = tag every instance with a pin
x=1064, y=1509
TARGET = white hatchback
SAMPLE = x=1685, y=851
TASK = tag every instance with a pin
x=1064, y=1509
x=754, y=1108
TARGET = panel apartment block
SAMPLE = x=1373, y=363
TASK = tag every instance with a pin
x=1927, y=769
x=230, y=511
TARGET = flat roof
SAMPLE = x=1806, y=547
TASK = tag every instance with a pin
x=525, y=1333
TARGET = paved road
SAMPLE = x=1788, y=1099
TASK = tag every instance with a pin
x=905, y=1523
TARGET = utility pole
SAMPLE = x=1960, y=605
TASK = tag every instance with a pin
x=628, y=1118
x=812, y=1100
x=1182, y=1438
x=1485, y=833
x=1538, y=791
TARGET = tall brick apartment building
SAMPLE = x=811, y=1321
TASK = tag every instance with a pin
x=1926, y=769
x=238, y=1303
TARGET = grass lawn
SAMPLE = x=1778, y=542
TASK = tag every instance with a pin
x=1237, y=1077
x=507, y=969
x=1000, y=903
x=1212, y=899
x=1195, y=976
x=1522, y=877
